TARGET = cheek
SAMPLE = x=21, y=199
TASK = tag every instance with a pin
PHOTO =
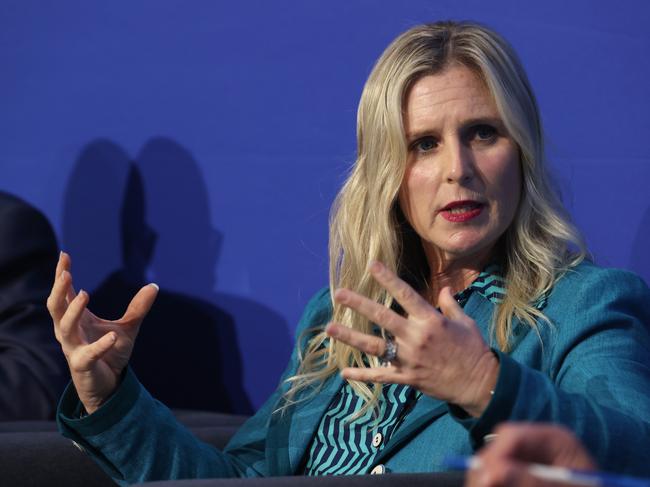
x=416, y=191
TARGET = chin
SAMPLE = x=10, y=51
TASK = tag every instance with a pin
x=469, y=249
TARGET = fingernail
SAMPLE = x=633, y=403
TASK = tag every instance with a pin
x=155, y=285
x=340, y=295
x=62, y=275
x=374, y=266
x=332, y=331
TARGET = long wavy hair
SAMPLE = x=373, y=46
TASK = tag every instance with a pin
x=367, y=223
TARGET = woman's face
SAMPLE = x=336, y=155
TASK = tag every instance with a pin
x=463, y=180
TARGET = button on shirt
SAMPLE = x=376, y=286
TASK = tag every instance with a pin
x=343, y=445
x=376, y=440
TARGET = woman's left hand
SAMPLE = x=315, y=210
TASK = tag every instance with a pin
x=442, y=354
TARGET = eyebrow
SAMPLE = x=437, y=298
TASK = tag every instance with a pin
x=470, y=122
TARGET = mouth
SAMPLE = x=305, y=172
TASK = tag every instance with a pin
x=461, y=211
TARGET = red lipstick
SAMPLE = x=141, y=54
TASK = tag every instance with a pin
x=461, y=211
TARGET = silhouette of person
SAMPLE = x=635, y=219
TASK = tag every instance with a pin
x=187, y=353
x=185, y=258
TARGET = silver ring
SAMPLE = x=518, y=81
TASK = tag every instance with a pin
x=390, y=353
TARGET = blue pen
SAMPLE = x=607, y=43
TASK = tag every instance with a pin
x=558, y=474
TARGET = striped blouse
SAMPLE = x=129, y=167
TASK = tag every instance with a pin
x=344, y=447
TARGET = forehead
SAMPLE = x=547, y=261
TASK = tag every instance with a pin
x=452, y=96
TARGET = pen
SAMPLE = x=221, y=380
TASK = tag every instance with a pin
x=558, y=474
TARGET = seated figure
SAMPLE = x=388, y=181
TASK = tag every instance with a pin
x=32, y=372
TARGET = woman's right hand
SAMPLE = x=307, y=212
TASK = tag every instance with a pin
x=97, y=350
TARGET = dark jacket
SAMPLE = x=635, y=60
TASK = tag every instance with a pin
x=32, y=368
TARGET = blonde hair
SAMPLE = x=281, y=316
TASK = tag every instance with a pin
x=367, y=223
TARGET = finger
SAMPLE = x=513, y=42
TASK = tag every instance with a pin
x=65, y=264
x=414, y=304
x=141, y=303
x=56, y=301
x=92, y=352
x=70, y=293
x=449, y=306
x=384, y=375
x=375, y=312
x=510, y=439
x=69, y=324
x=540, y=443
x=366, y=343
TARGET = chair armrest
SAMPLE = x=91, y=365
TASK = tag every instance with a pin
x=47, y=458
x=33, y=453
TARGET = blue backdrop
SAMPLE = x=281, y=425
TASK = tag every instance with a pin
x=200, y=144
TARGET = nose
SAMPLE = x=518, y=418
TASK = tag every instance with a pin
x=459, y=166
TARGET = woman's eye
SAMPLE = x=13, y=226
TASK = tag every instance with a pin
x=425, y=144
x=485, y=132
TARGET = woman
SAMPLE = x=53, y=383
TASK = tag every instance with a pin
x=462, y=300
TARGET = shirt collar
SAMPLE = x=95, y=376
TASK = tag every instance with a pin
x=490, y=284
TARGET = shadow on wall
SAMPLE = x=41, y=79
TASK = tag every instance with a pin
x=640, y=257
x=127, y=223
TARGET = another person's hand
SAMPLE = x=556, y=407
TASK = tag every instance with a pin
x=505, y=460
x=97, y=350
x=442, y=354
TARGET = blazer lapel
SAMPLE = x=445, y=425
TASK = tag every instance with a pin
x=426, y=410
x=307, y=419
x=290, y=435
x=481, y=310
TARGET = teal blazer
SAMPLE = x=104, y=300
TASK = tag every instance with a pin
x=589, y=370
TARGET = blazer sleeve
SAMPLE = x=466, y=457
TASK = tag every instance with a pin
x=135, y=438
x=32, y=369
x=594, y=376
